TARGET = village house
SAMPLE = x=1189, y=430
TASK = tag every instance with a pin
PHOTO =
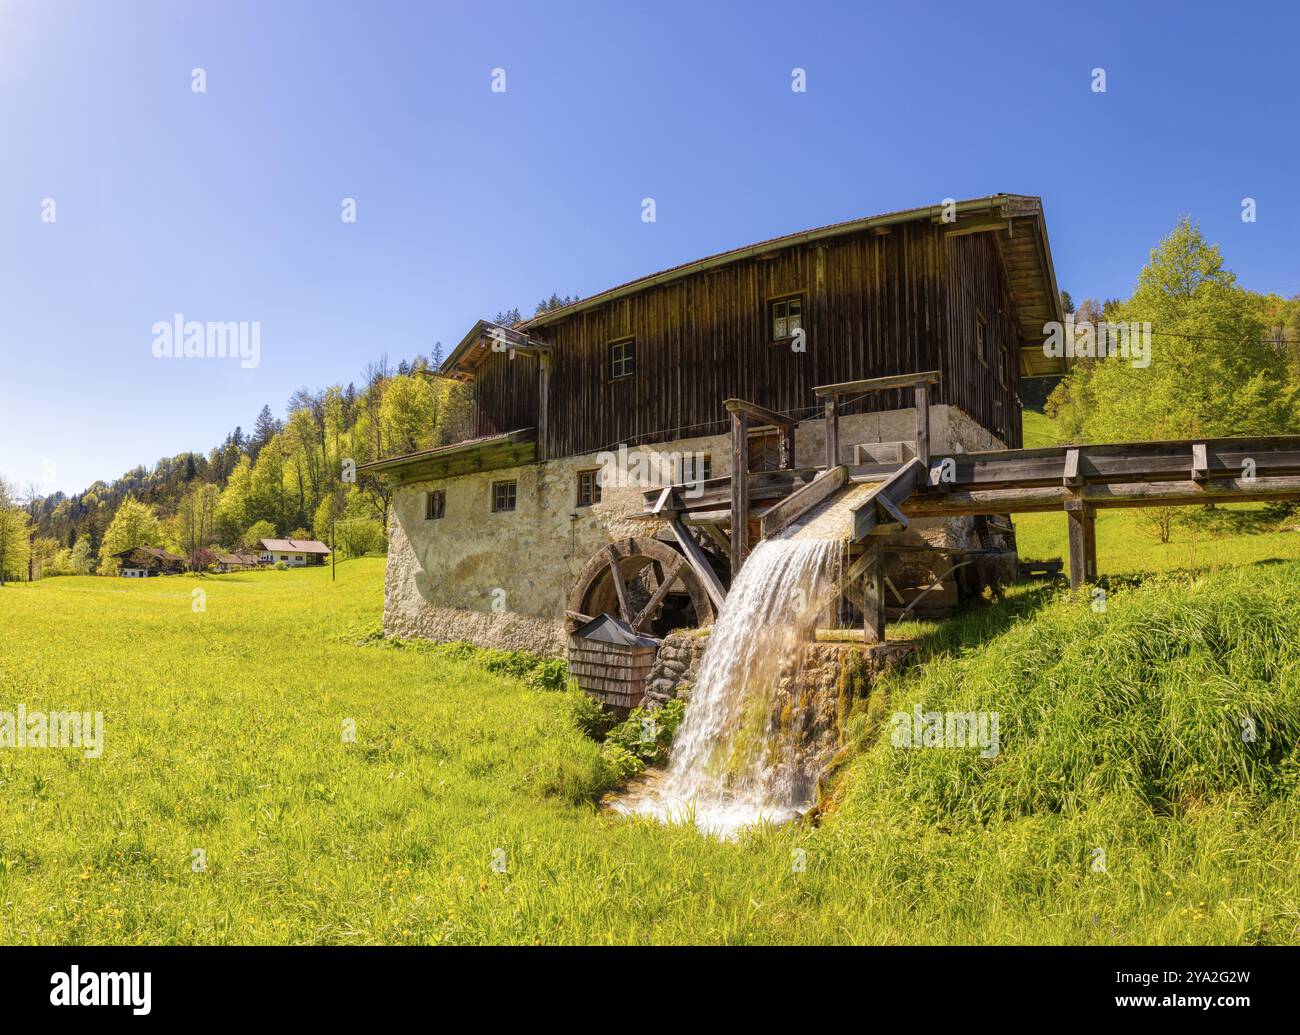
x=540, y=522
x=145, y=561
x=296, y=553
x=238, y=562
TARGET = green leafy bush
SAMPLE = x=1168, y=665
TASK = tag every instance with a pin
x=648, y=733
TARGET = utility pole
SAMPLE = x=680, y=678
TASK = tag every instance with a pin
x=333, y=551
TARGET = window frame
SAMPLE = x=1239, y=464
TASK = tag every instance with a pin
x=590, y=476
x=623, y=361
x=511, y=485
x=432, y=512
x=769, y=315
x=706, y=461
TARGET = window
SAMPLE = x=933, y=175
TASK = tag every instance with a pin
x=503, y=496
x=588, y=488
x=435, y=504
x=787, y=317
x=980, y=335
x=696, y=468
x=622, y=359
x=1004, y=362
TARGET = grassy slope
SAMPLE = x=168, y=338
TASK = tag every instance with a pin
x=1118, y=732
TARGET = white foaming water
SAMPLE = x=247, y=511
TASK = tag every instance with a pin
x=731, y=765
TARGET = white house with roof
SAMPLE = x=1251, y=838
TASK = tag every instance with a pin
x=296, y=553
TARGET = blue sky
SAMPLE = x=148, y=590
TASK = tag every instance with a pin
x=225, y=205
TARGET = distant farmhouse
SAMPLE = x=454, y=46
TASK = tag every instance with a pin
x=238, y=562
x=296, y=553
x=143, y=561
x=782, y=359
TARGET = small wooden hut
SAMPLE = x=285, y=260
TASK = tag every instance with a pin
x=611, y=660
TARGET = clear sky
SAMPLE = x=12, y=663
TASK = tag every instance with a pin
x=225, y=205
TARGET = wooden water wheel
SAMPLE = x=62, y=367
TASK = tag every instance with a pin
x=644, y=582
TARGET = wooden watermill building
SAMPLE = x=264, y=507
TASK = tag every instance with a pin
x=539, y=524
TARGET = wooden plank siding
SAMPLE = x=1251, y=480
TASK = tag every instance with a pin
x=874, y=304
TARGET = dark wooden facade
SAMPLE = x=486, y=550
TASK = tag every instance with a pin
x=916, y=294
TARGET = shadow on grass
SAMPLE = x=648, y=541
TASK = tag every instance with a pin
x=977, y=622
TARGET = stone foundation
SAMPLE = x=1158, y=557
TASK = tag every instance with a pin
x=503, y=579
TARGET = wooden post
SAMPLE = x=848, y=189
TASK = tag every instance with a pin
x=1074, y=513
x=832, y=431
x=786, y=447
x=1089, y=543
x=873, y=594
x=923, y=422
x=739, y=490
x=543, y=402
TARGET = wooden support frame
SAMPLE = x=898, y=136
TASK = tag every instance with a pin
x=665, y=583
x=1082, y=518
x=699, y=562
x=873, y=592
x=919, y=382
x=739, y=489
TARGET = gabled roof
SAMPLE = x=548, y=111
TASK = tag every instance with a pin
x=608, y=629
x=1017, y=220
x=238, y=558
x=295, y=545
x=156, y=552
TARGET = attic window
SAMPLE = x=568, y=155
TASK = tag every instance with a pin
x=786, y=317
x=622, y=359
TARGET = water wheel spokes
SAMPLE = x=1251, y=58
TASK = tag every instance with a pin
x=634, y=579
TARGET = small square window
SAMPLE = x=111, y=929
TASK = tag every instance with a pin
x=786, y=317
x=435, y=504
x=588, y=488
x=503, y=496
x=622, y=359
x=696, y=468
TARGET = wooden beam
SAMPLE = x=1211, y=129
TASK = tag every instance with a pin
x=923, y=421
x=1070, y=477
x=888, y=517
x=873, y=595
x=761, y=413
x=661, y=591
x=879, y=384
x=866, y=515
x=619, y=586
x=718, y=536
x=1120, y=494
x=739, y=489
x=802, y=500
x=1200, y=463
x=832, y=431
x=699, y=563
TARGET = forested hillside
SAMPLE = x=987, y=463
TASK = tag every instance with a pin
x=284, y=478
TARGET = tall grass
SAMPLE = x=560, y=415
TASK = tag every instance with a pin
x=1120, y=732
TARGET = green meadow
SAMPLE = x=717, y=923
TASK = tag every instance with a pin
x=1146, y=788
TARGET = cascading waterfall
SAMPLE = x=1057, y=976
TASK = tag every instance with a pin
x=731, y=764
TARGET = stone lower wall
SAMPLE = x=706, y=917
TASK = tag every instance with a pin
x=503, y=579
